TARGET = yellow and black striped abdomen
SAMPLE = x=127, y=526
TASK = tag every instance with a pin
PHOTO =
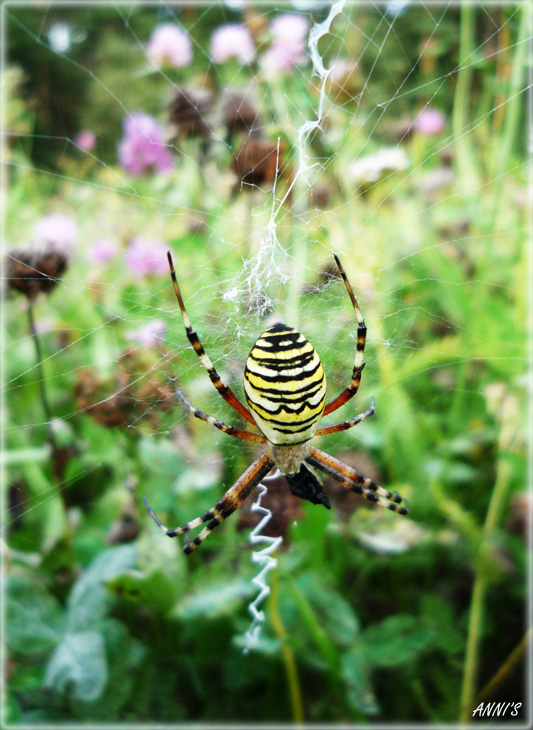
x=285, y=385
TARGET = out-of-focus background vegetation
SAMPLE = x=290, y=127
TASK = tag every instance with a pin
x=122, y=142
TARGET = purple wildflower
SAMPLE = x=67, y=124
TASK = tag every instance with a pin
x=169, y=46
x=232, y=40
x=289, y=32
x=86, y=140
x=147, y=257
x=143, y=147
x=282, y=56
x=57, y=233
x=150, y=334
x=103, y=250
x=290, y=28
x=430, y=122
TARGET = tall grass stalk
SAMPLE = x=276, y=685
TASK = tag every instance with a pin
x=513, y=108
x=461, y=108
x=291, y=669
x=396, y=411
x=507, y=668
x=62, y=525
x=317, y=633
x=481, y=580
x=42, y=383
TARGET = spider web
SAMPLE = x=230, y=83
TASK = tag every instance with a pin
x=406, y=211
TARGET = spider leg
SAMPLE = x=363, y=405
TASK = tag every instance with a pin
x=193, y=338
x=225, y=506
x=237, y=432
x=351, y=479
x=344, y=425
x=358, y=366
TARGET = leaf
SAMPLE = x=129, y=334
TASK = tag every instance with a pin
x=192, y=478
x=55, y=522
x=355, y=673
x=161, y=458
x=89, y=599
x=215, y=601
x=331, y=608
x=153, y=590
x=397, y=639
x=20, y=456
x=78, y=665
x=104, y=448
x=34, y=618
x=51, y=514
x=157, y=554
x=265, y=645
x=124, y=656
x=161, y=576
x=12, y=712
x=439, y=615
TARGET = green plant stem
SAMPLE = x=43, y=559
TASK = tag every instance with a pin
x=399, y=422
x=513, y=108
x=461, y=108
x=472, y=649
x=317, y=633
x=42, y=386
x=475, y=624
x=506, y=669
x=424, y=703
x=288, y=655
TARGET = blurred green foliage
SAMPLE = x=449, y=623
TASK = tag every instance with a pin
x=374, y=610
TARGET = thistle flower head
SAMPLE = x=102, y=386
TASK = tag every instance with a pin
x=150, y=334
x=145, y=257
x=290, y=28
x=103, y=250
x=34, y=269
x=430, y=122
x=86, y=140
x=257, y=161
x=289, y=33
x=31, y=272
x=56, y=233
x=143, y=148
x=230, y=41
x=137, y=390
x=189, y=112
x=238, y=112
x=169, y=46
x=282, y=56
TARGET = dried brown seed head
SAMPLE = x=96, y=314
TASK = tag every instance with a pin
x=258, y=161
x=189, y=112
x=238, y=112
x=31, y=272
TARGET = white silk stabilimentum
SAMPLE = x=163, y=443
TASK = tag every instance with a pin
x=263, y=558
x=260, y=267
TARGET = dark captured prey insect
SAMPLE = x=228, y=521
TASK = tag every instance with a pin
x=285, y=387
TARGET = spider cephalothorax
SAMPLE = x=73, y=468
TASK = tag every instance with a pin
x=285, y=387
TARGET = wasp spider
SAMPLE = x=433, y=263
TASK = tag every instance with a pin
x=285, y=388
